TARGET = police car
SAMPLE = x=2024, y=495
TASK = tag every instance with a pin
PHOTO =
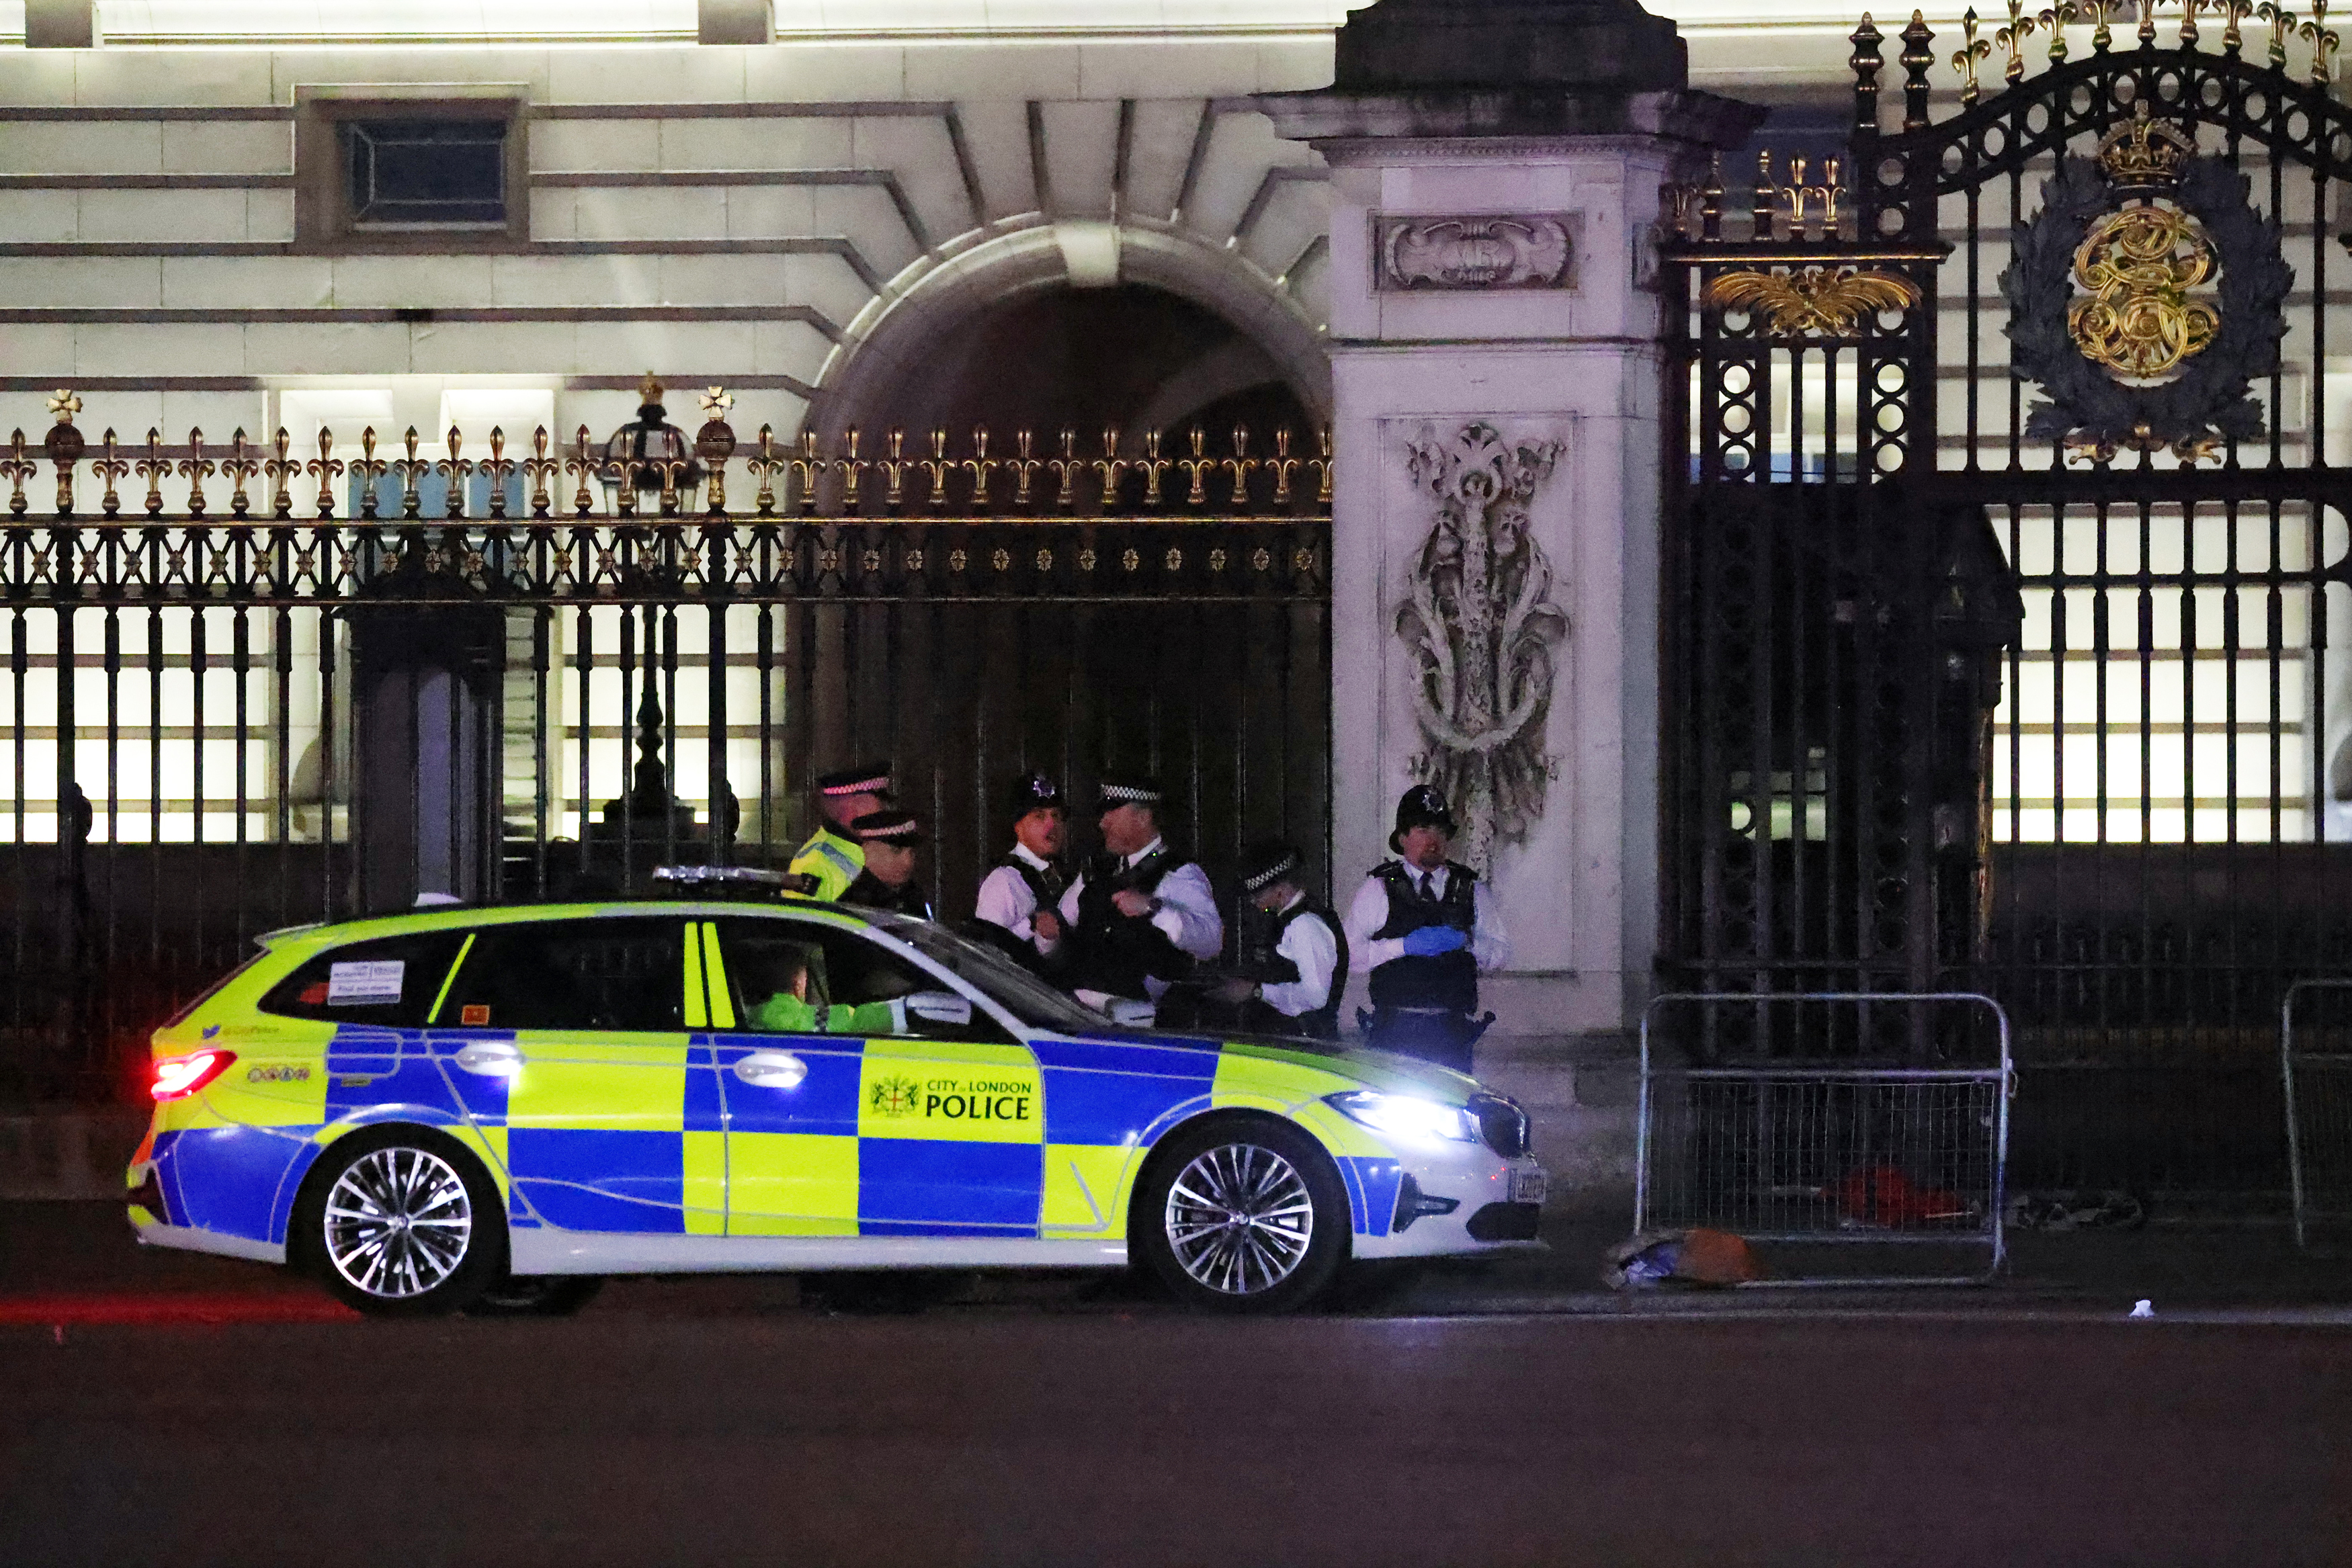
x=492, y=1109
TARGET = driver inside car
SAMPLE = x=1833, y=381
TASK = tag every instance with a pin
x=788, y=1010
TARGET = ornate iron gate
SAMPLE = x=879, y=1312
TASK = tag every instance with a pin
x=231, y=709
x=2010, y=539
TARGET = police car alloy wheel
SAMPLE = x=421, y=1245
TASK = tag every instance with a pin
x=403, y=1222
x=1244, y=1214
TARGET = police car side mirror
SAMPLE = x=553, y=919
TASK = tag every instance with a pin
x=938, y=1008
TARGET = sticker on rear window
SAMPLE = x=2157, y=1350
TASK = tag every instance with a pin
x=378, y=981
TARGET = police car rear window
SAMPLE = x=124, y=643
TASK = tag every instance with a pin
x=391, y=981
x=610, y=972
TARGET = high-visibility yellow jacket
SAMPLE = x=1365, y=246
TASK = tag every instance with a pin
x=831, y=862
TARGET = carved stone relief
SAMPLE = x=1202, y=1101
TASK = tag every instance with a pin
x=1480, y=622
x=1493, y=251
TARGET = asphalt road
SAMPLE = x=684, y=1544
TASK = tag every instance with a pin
x=747, y=1429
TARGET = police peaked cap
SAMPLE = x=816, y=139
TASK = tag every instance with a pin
x=1033, y=792
x=889, y=828
x=869, y=779
x=1421, y=807
x=1267, y=864
x=1128, y=789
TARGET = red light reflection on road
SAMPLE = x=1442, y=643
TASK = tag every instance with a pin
x=176, y=1307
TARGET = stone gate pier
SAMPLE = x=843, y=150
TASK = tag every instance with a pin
x=1497, y=173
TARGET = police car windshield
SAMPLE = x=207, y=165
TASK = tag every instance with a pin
x=1021, y=993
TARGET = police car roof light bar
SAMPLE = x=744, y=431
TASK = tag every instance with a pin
x=726, y=881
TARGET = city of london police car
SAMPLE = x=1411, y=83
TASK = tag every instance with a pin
x=490, y=1109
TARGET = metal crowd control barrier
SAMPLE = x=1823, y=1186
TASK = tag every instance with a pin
x=2318, y=1090
x=1827, y=1152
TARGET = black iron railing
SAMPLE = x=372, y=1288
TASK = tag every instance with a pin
x=228, y=709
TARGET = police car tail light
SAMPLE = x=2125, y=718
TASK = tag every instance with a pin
x=1404, y=1115
x=178, y=1077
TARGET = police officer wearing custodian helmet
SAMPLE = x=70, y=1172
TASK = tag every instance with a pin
x=1425, y=929
x=1022, y=896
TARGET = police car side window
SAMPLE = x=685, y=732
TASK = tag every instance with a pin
x=866, y=971
x=391, y=981
x=824, y=967
x=620, y=974
x=770, y=959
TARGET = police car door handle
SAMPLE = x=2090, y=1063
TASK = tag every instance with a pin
x=771, y=1069
x=491, y=1059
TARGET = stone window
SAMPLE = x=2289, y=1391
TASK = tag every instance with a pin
x=388, y=171
x=424, y=174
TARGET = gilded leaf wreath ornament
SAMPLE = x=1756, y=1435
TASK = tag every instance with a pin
x=2146, y=298
x=1480, y=623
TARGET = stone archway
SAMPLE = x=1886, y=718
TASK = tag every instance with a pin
x=1220, y=330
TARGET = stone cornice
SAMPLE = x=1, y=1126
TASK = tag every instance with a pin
x=1359, y=127
x=1356, y=153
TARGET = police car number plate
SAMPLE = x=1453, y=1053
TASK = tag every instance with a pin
x=1528, y=1186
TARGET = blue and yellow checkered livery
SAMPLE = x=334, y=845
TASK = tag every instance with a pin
x=663, y=1132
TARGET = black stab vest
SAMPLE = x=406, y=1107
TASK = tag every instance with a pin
x=1447, y=981
x=1323, y=1023
x=1116, y=952
x=1045, y=886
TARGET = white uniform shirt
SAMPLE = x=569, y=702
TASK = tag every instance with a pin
x=1490, y=944
x=1309, y=943
x=1188, y=910
x=1006, y=899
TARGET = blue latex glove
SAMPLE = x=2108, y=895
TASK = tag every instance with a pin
x=1432, y=940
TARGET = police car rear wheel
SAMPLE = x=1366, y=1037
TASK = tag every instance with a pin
x=1245, y=1214
x=403, y=1223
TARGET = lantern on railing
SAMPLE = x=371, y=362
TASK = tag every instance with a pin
x=649, y=465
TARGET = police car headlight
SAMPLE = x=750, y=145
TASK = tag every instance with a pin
x=1405, y=1117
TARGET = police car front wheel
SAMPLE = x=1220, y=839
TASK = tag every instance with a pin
x=403, y=1222
x=1244, y=1214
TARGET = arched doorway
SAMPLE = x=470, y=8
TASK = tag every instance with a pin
x=1006, y=328
x=1193, y=641
x=1132, y=355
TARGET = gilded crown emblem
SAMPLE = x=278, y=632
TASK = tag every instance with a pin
x=2145, y=153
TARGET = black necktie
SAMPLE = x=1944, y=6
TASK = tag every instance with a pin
x=1425, y=894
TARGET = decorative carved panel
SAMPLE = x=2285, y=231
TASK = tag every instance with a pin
x=1476, y=252
x=1480, y=622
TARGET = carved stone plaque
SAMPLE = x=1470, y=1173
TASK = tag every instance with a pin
x=1481, y=251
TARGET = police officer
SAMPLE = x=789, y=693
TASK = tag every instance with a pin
x=1140, y=914
x=1021, y=894
x=1295, y=966
x=832, y=857
x=787, y=1009
x=889, y=840
x=1425, y=929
